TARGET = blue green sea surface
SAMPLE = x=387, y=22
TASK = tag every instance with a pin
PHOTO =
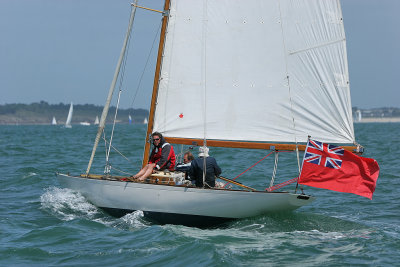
x=43, y=224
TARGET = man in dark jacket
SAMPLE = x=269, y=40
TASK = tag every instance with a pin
x=196, y=170
x=162, y=157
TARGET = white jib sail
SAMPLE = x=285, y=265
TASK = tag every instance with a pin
x=259, y=70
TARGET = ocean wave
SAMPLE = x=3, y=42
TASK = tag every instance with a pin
x=67, y=204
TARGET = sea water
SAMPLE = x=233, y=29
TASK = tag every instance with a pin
x=43, y=224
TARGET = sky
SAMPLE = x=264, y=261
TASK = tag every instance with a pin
x=67, y=50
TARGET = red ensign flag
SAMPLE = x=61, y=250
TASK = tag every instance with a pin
x=331, y=167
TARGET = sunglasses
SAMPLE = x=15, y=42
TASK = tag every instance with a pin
x=156, y=139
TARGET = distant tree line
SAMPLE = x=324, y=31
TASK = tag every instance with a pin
x=386, y=112
x=43, y=112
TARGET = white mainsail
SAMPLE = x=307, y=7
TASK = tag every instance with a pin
x=69, y=118
x=54, y=122
x=96, y=121
x=256, y=71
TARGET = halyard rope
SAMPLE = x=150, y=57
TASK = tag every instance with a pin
x=272, y=188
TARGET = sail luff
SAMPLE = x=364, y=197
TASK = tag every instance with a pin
x=111, y=90
x=156, y=82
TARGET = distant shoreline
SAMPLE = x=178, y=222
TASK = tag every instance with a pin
x=368, y=120
x=363, y=120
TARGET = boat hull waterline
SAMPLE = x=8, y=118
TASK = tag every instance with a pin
x=161, y=199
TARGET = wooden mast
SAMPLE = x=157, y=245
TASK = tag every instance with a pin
x=156, y=83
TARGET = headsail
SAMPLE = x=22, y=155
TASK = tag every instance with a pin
x=271, y=71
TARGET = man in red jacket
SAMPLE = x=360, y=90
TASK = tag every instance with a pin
x=162, y=157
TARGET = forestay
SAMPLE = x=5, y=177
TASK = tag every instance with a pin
x=256, y=70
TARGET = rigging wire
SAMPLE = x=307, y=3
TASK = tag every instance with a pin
x=119, y=152
x=107, y=168
x=111, y=90
x=121, y=76
x=121, y=80
x=145, y=66
x=290, y=92
x=204, y=69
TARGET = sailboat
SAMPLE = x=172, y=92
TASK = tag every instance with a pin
x=69, y=117
x=260, y=74
x=145, y=121
x=358, y=115
x=130, y=119
x=96, y=121
x=54, y=122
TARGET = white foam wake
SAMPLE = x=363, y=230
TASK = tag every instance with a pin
x=67, y=204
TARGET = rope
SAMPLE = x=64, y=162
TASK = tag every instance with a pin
x=111, y=91
x=249, y=168
x=290, y=91
x=272, y=188
x=145, y=66
x=204, y=69
x=117, y=151
x=107, y=170
x=130, y=174
x=275, y=168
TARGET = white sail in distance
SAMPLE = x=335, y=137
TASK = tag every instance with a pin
x=54, y=122
x=260, y=70
x=69, y=118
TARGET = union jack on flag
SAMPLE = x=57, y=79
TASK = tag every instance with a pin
x=323, y=154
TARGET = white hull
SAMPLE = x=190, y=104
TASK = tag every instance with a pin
x=182, y=200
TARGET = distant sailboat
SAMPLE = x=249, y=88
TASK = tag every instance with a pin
x=84, y=123
x=69, y=118
x=359, y=116
x=54, y=122
x=130, y=119
x=96, y=121
x=145, y=121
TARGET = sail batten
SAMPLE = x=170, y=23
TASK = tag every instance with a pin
x=274, y=71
